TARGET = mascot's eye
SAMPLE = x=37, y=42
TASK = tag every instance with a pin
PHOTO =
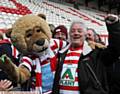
x=38, y=30
x=29, y=35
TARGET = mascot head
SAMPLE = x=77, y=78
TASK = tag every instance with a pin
x=31, y=34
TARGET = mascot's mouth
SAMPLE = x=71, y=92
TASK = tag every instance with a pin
x=40, y=46
x=43, y=49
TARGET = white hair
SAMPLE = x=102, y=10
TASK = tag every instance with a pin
x=81, y=24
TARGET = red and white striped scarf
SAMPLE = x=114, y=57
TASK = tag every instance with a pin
x=35, y=63
x=71, y=64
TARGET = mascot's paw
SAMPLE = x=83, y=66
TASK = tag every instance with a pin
x=9, y=68
x=6, y=63
x=111, y=18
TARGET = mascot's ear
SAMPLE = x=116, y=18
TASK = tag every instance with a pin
x=8, y=33
x=42, y=16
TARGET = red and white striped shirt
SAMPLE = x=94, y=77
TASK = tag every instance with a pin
x=38, y=64
x=69, y=75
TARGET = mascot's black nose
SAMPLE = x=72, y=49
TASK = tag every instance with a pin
x=40, y=42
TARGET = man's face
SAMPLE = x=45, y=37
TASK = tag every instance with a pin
x=77, y=35
x=90, y=35
x=60, y=35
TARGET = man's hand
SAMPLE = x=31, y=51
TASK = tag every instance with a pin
x=111, y=19
x=5, y=85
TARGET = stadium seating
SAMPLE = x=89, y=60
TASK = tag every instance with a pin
x=56, y=14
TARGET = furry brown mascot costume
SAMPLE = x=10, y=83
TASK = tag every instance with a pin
x=31, y=35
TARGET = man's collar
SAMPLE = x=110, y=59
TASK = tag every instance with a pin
x=86, y=48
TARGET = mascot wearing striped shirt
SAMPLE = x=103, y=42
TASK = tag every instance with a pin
x=31, y=35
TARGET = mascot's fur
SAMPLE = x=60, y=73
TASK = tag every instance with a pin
x=30, y=35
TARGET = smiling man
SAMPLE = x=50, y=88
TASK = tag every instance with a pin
x=83, y=72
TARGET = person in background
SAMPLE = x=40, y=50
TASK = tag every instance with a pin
x=1, y=35
x=5, y=46
x=5, y=84
x=60, y=32
x=83, y=72
x=92, y=35
x=94, y=39
x=52, y=27
x=6, y=50
x=15, y=52
x=98, y=39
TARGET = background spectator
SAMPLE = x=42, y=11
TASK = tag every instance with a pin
x=6, y=49
x=52, y=27
x=60, y=32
